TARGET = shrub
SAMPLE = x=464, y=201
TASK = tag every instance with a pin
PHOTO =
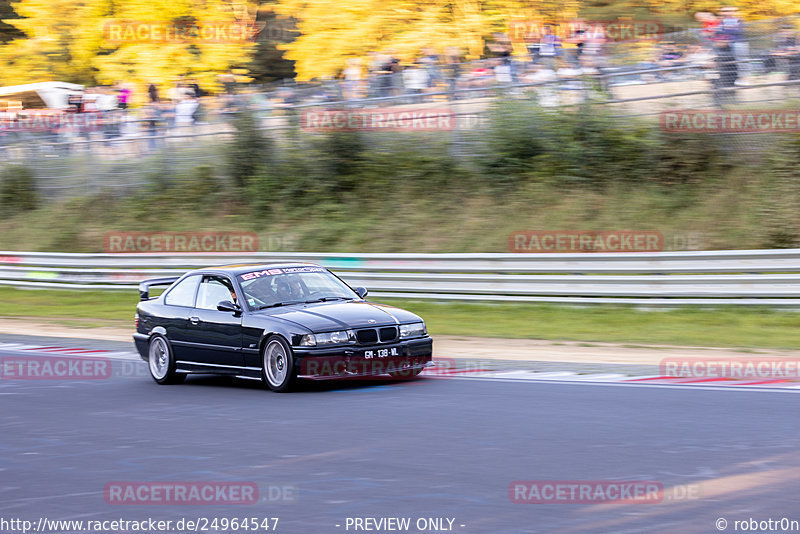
x=687, y=158
x=17, y=189
x=585, y=146
x=249, y=149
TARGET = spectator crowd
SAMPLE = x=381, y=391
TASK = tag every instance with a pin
x=550, y=59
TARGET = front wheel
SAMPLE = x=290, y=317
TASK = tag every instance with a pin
x=277, y=365
x=162, y=362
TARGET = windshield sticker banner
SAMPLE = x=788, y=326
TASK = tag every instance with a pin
x=285, y=270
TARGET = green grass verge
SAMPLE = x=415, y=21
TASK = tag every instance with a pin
x=723, y=327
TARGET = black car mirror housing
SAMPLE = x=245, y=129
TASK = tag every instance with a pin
x=228, y=306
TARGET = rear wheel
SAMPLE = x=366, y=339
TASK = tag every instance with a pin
x=277, y=365
x=162, y=362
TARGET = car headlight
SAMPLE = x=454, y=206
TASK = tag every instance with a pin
x=413, y=330
x=328, y=338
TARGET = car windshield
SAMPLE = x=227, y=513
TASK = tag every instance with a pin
x=292, y=285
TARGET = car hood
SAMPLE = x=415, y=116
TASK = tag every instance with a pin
x=327, y=316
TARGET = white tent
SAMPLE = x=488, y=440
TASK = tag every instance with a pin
x=51, y=95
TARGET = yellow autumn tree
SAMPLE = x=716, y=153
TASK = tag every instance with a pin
x=681, y=12
x=332, y=32
x=759, y=9
x=90, y=42
x=60, y=41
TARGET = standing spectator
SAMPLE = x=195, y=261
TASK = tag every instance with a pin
x=549, y=47
x=352, y=79
x=185, y=112
x=152, y=93
x=430, y=61
x=578, y=38
x=452, y=64
x=194, y=87
x=574, y=41
x=786, y=43
x=152, y=122
x=384, y=74
x=502, y=72
x=593, y=52
x=124, y=96
x=505, y=69
x=480, y=76
x=415, y=79
x=709, y=25
x=395, y=75
x=727, y=72
x=373, y=74
x=669, y=56
x=731, y=30
x=175, y=93
x=787, y=51
x=794, y=63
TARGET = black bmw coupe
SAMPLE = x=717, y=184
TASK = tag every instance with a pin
x=276, y=323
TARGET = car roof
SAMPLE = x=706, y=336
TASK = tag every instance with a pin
x=241, y=268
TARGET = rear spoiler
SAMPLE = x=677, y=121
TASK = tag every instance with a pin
x=144, y=287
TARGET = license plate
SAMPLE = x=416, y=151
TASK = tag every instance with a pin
x=382, y=353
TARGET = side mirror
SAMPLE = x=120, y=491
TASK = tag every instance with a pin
x=228, y=306
x=361, y=291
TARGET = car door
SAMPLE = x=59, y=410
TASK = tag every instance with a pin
x=217, y=334
x=174, y=315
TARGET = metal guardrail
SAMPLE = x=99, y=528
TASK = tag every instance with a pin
x=740, y=277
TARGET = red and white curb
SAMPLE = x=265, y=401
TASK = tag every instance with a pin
x=524, y=375
x=472, y=372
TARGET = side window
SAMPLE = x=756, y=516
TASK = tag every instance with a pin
x=214, y=289
x=183, y=293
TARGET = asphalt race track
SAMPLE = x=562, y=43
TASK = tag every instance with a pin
x=439, y=447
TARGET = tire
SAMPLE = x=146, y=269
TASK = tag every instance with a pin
x=161, y=362
x=406, y=374
x=277, y=365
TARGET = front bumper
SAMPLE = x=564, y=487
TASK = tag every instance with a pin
x=403, y=358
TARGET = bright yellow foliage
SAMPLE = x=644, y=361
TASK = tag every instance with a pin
x=332, y=31
x=69, y=40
